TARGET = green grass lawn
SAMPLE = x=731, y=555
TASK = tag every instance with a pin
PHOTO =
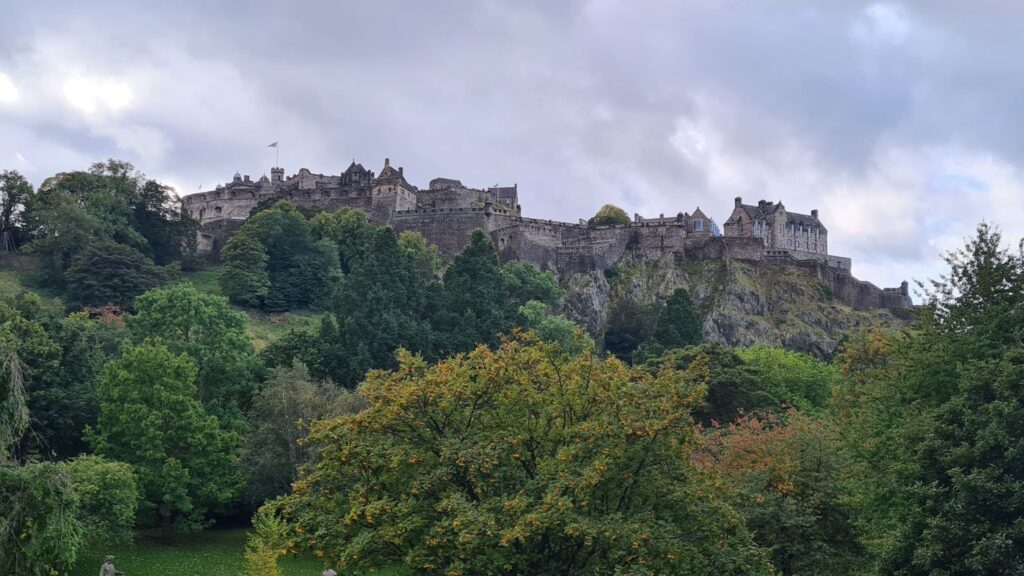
x=212, y=553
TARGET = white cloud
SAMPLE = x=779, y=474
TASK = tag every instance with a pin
x=8, y=92
x=882, y=23
x=92, y=95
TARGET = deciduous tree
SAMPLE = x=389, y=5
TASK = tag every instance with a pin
x=520, y=461
x=149, y=418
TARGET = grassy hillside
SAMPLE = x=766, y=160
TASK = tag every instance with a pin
x=18, y=273
x=264, y=327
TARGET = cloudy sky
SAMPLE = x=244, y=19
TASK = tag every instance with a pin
x=899, y=121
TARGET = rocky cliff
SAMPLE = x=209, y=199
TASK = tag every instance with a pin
x=742, y=303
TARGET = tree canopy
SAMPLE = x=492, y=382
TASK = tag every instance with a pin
x=609, y=215
x=149, y=418
x=520, y=461
x=109, y=203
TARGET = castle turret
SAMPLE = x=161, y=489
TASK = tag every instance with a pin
x=277, y=174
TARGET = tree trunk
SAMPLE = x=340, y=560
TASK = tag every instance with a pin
x=166, y=529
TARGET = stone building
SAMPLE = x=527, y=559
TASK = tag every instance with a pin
x=802, y=236
x=697, y=225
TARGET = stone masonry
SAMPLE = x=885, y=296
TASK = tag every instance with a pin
x=447, y=212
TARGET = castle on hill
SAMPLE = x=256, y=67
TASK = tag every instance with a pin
x=446, y=213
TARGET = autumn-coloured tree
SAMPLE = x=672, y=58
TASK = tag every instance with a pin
x=785, y=479
x=520, y=460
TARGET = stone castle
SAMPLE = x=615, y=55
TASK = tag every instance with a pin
x=447, y=212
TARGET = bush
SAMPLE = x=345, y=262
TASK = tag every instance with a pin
x=108, y=496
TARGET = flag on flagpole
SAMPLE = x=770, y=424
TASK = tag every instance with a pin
x=274, y=145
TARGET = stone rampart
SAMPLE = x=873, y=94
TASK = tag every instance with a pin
x=561, y=247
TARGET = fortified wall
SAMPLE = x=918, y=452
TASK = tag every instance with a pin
x=448, y=212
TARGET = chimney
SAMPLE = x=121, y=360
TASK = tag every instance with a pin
x=739, y=201
x=245, y=178
x=814, y=213
x=387, y=162
x=761, y=204
x=401, y=171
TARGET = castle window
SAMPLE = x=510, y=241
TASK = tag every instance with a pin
x=698, y=225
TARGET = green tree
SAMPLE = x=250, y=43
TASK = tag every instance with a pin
x=149, y=418
x=108, y=497
x=300, y=269
x=423, y=255
x=350, y=230
x=556, y=329
x=525, y=283
x=381, y=306
x=40, y=532
x=792, y=378
x=629, y=325
x=15, y=192
x=212, y=335
x=244, y=279
x=60, y=360
x=609, y=215
x=110, y=273
x=288, y=402
x=934, y=425
x=679, y=324
x=476, y=305
x=733, y=386
x=519, y=461
x=111, y=202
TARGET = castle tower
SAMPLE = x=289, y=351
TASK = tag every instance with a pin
x=277, y=175
x=391, y=193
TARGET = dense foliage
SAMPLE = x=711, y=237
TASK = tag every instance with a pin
x=934, y=423
x=609, y=215
x=110, y=273
x=40, y=532
x=520, y=461
x=108, y=496
x=150, y=418
x=282, y=412
x=389, y=297
x=274, y=262
x=786, y=482
x=212, y=334
x=110, y=203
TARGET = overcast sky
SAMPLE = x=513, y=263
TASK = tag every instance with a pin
x=899, y=121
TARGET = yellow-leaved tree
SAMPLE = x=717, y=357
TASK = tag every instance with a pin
x=520, y=460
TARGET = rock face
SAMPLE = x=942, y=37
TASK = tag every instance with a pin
x=742, y=303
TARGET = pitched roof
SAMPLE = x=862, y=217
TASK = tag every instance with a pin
x=805, y=220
